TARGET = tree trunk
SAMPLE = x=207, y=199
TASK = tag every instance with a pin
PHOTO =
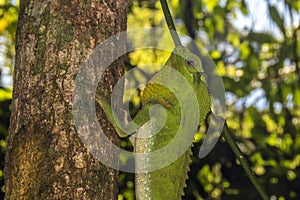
x=45, y=158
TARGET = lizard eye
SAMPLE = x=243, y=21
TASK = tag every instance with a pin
x=190, y=62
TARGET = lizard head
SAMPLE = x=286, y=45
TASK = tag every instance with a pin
x=188, y=61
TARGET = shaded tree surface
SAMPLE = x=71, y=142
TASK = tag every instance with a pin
x=45, y=158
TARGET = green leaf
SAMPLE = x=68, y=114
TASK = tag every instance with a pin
x=297, y=97
x=261, y=37
x=235, y=87
x=5, y=94
x=275, y=16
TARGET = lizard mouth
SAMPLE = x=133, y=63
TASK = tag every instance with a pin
x=201, y=74
x=198, y=75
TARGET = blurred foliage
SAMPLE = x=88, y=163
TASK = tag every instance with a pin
x=8, y=24
x=4, y=123
x=261, y=74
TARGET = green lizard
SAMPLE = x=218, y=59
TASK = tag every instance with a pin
x=167, y=182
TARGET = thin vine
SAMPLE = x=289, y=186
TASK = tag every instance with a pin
x=226, y=133
x=170, y=23
x=238, y=154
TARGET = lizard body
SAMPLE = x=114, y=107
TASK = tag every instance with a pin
x=167, y=182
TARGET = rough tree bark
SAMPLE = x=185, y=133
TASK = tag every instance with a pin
x=45, y=158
